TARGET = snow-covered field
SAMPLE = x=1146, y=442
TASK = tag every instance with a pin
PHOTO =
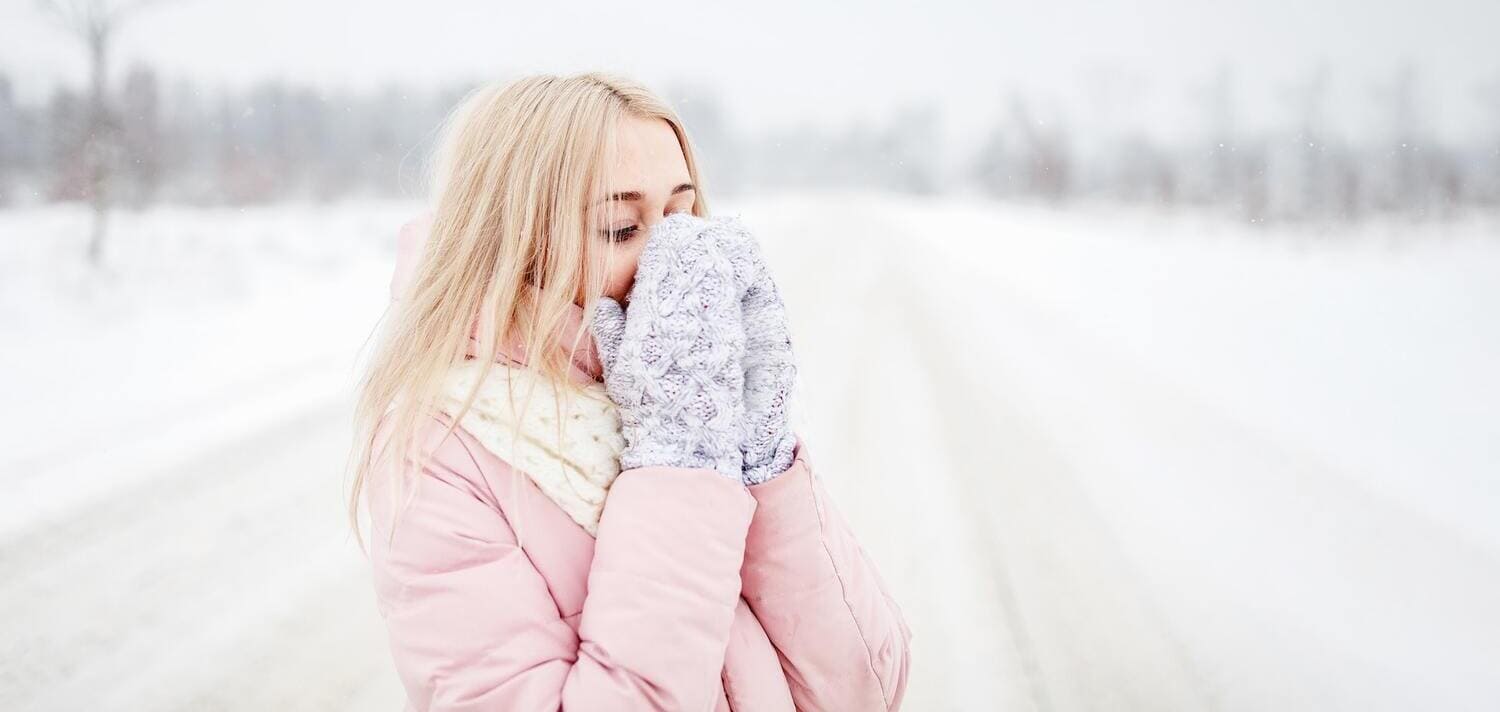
x=1107, y=459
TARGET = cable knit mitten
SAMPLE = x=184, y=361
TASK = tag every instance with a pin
x=674, y=357
x=770, y=370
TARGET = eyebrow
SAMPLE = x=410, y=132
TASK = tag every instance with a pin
x=637, y=195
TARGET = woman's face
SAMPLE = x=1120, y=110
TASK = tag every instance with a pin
x=650, y=182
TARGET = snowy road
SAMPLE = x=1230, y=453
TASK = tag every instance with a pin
x=1088, y=532
x=1080, y=500
x=217, y=584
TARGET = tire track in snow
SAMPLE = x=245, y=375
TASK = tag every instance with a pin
x=959, y=521
x=1088, y=631
x=193, y=589
x=1276, y=580
x=868, y=442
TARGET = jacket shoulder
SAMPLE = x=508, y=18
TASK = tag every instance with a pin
x=452, y=459
x=411, y=239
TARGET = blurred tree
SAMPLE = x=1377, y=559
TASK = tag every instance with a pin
x=10, y=140
x=991, y=166
x=95, y=24
x=67, y=135
x=910, y=149
x=140, y=119
x=1488, y=95
x=1402, y=184
x=1046, y=169
x=1302, y=173
x=1147, y=171
x=1216, y=170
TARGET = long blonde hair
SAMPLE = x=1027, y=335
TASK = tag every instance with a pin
x=518, y=165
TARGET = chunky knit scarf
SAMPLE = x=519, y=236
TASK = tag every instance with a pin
x=573, y=464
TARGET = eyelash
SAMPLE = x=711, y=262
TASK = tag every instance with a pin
x=625, y=233
x=621, y=234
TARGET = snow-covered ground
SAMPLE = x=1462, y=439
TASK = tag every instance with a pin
x=1106, y=458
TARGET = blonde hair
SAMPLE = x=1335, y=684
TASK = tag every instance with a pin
x=518, y=166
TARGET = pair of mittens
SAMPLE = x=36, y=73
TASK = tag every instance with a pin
x=699, y=361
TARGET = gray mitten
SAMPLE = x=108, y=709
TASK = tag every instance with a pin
x=674, y=358
x=770, y=371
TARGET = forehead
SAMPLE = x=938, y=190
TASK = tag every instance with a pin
x=650, y=159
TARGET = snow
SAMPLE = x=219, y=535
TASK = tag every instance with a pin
x=1105, y=457
x=207, y=324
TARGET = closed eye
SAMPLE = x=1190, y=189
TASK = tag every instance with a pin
x=625, y=233
x=621, y=234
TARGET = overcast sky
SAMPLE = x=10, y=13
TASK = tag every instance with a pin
x=778, y=63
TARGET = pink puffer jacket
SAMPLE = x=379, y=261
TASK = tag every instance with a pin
x=699, y=593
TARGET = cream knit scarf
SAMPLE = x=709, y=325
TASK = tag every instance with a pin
x=576, y=470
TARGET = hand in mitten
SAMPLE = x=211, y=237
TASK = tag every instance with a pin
x=674, y=357
x=770, y=370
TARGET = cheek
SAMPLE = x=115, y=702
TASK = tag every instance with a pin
x=630, y=259
x=622, y=273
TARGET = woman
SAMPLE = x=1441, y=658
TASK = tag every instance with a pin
x=719, y=576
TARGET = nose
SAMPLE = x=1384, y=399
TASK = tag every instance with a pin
x=651, y=224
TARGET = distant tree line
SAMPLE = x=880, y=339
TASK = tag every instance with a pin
x=1304, y=170
x=179, y=142
x=183, y=143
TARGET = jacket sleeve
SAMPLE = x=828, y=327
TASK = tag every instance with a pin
x=843, y=641
x=472, y=625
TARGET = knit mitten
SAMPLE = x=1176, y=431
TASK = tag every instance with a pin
x=674, y=357
x=770, y=370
